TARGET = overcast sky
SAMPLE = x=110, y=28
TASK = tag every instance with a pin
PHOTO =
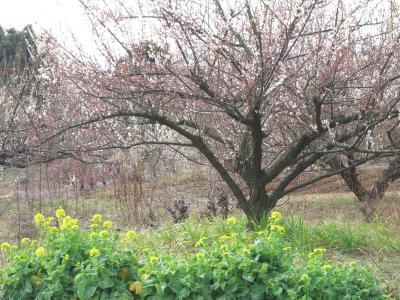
x=57, y=16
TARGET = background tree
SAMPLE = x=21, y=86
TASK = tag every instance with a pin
x=369, y=195
x=21, y=98
x=17, y=51
x=263, y=90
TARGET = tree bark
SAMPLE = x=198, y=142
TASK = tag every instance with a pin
x=369, y=198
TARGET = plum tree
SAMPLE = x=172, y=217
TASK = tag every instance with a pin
x=262, y=89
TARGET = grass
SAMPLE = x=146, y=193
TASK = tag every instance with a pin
x=338, y=235
x=180, y=238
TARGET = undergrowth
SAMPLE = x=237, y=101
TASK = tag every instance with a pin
x=212, y=259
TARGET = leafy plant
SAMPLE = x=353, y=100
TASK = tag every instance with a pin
x=69, y=262
x=72, y=263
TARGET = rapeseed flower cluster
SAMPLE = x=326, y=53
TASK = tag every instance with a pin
x=107, y=224
x=41, y=221
x=136, y=287
x=60, y=214
x=25, y=241
x=317, y=251
x=200, y=255
x=5, y=247
x=246, y=250
x=200, y=242
x=94, y=252
x=304, y=278
x=276, y=216
x=326, y=267
x=154, y=259
x=103, y=233
x=97, y=219
x=278, y=228
x=131, y=235
x=40, y=252
x=231, y=220
x=69, y=223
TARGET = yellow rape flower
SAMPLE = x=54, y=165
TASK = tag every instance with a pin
x=154, y=259
x=94, y=252
x=326, y=267
x=40, y=252
x=278, y=228
x=5, y=247
x=93, y=235
x=124, y=273
x=39, y=219
x=303, y=278
x=145, y=277
x=276, y=216
x=200, y=255
x=69, y=223
x=97, y=219
x=60, y=214
x=131, y=234
x=223, y=247
x=246, y=250
x=136, y=287
x=107, y=224
x=231, y=220
x=25, y=241
x=200, y=242
x=224, y=238
x=103, y=233
x=317, y=251
x=52, y=229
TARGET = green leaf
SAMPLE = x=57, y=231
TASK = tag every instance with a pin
x=106, y=282
x=28, y=287
x=89, y=292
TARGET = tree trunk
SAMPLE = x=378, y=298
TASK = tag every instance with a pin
x=368, y=206
x=259, y=202
x=369, y=198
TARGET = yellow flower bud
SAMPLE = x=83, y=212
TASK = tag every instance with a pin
x=60, y=213
x=276, y=216
x=39, y=219
x=136, y=287
x=97, y=219
x=200, y=255
x=231, y=220
x=131, y=234
x=107, y=224
x=5, y=247
x=94, y=252
x=154, y=259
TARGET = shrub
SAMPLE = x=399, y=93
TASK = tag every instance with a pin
x=255, y=265
x=71, y=263
x=67, y=262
